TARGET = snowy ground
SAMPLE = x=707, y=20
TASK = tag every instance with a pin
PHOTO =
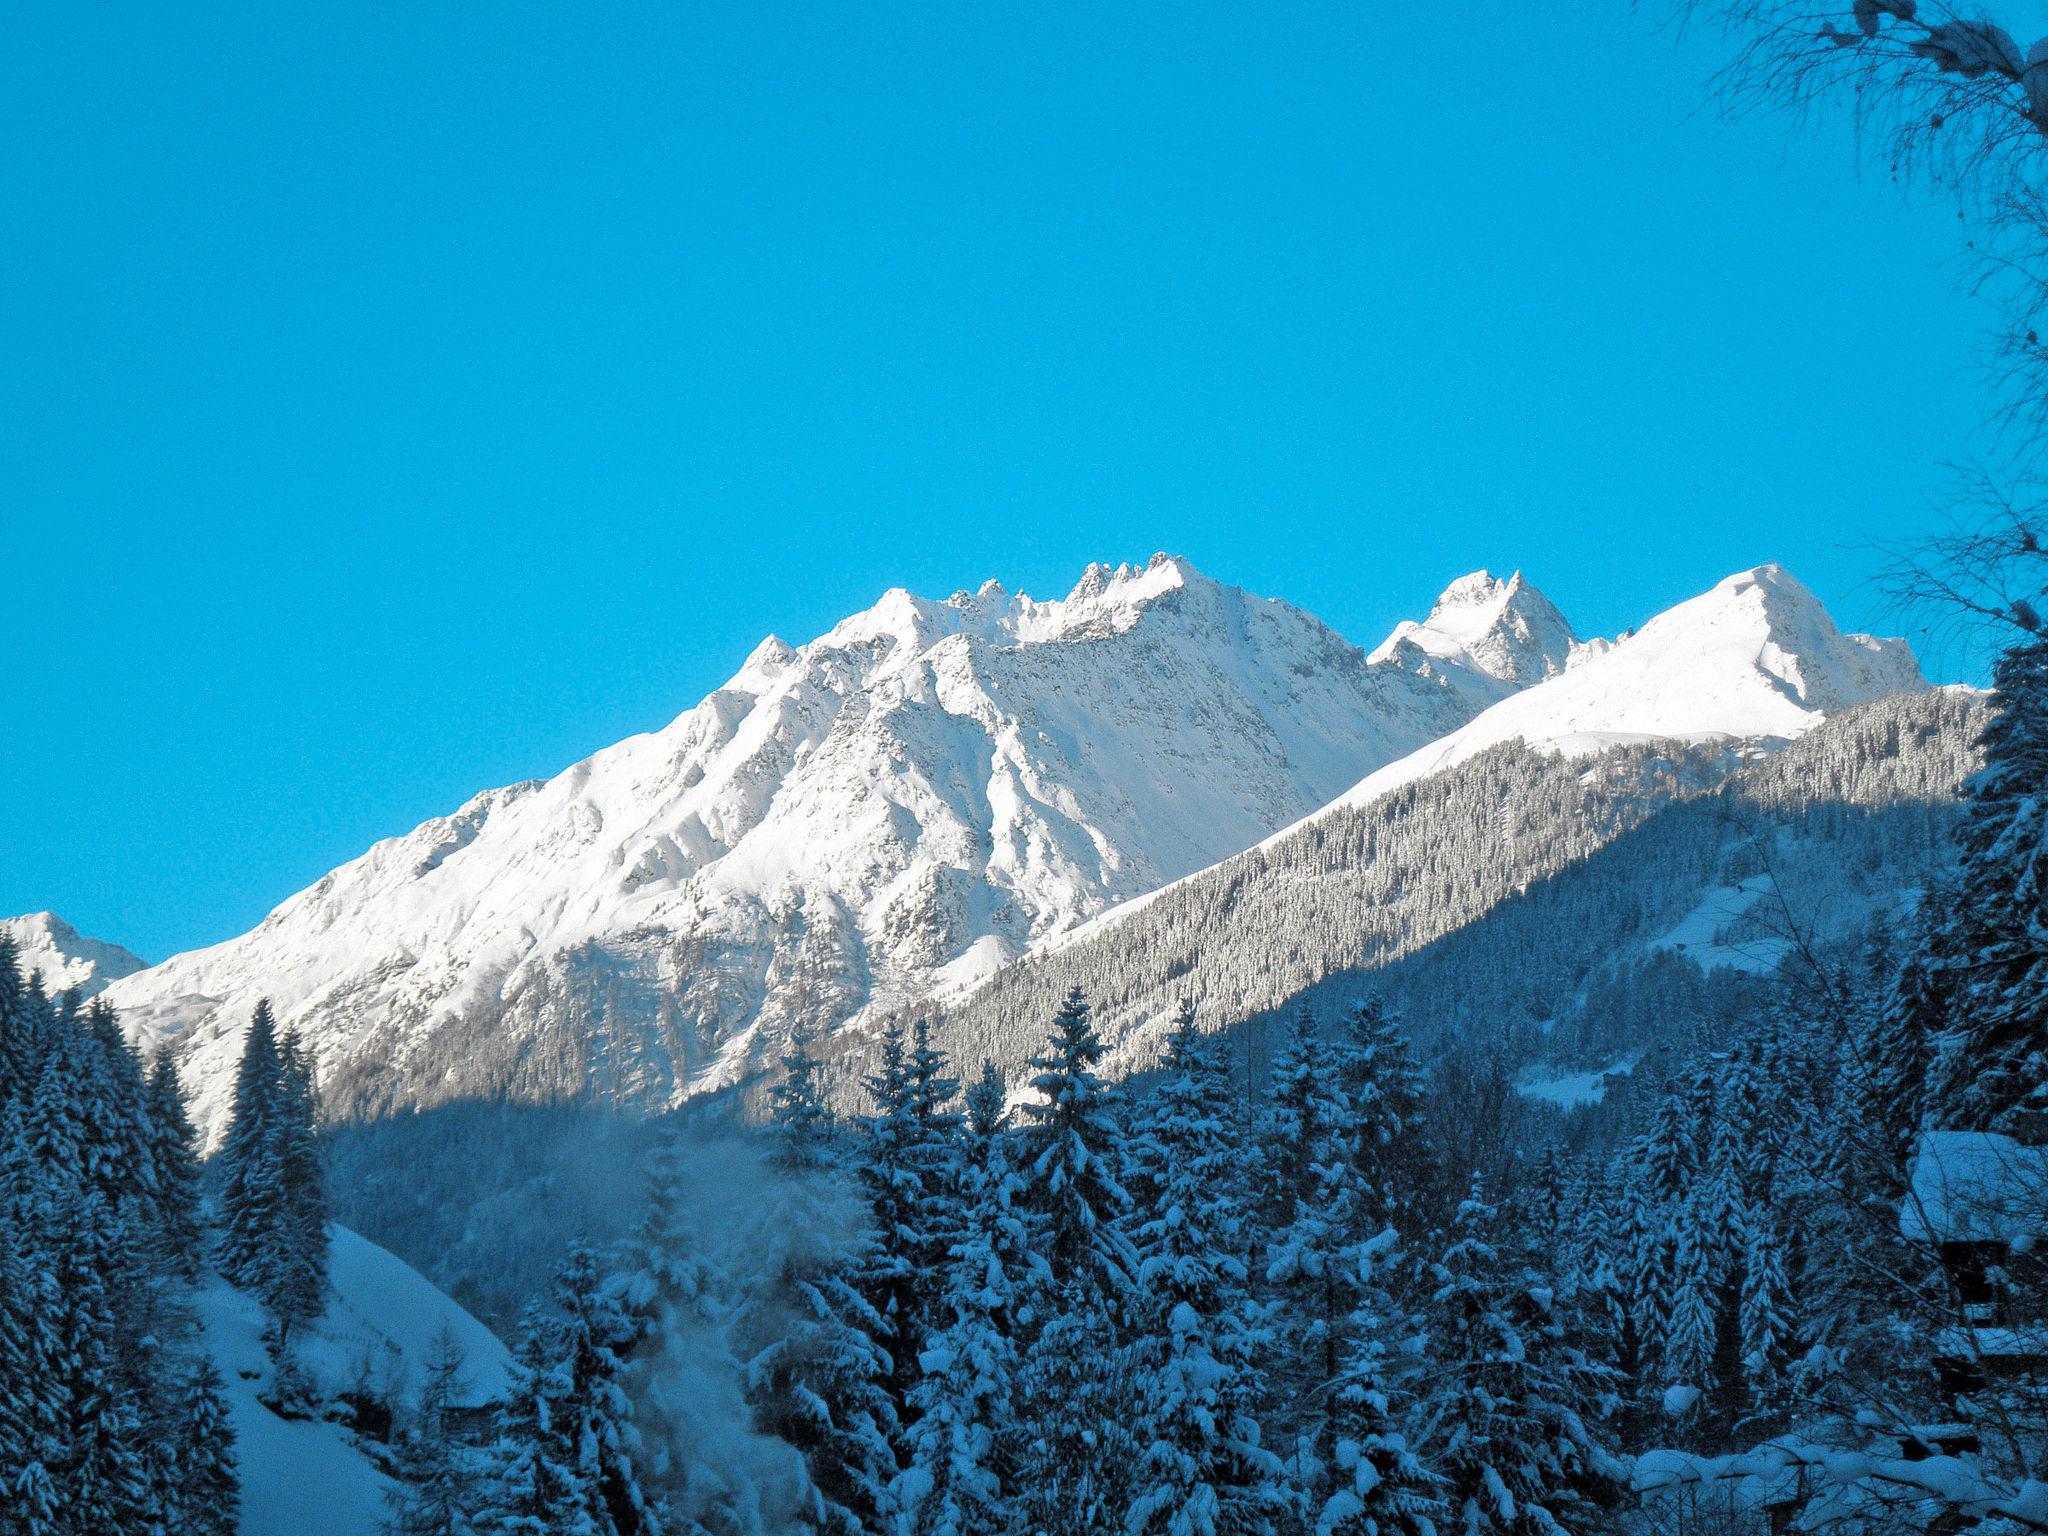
x=313, y=1479
x=1700, y=932
x=1570, y=1090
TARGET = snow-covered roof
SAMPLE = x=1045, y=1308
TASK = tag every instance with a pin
x=1975, y=1187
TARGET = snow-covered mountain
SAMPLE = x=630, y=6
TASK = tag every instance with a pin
x=907, y=802
x=1436, y=842
x=1753, y=658
x=1484, y=634
x=47, y=946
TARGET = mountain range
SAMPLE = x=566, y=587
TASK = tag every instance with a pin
x=921, y=800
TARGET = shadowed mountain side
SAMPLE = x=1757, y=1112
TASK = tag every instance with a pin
x=1547, y=866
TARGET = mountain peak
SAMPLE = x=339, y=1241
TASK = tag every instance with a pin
x=1485, y=631
x=47, y=946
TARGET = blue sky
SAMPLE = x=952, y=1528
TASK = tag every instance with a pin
x=402, y=400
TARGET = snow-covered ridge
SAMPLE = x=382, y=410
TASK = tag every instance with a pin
x=310, y=1477
x=1755, y=658
x=911, y=799
x=48, y=947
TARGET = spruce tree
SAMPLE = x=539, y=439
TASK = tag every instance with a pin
x=17, y=1043
x=1073, y=1155
x=1379, y=1081
x=1204, y=1465
x=1993, y=1057
x=594, y=1413
x=987, y=1105
x=532, y=1486
x=1513, y=1406
x=806, y=1136
x=254, y=1208
x=209, y=1492
x=966, y=1437
x=1083, y=1391
x=299, y=1287
x=1370, y=1481
x=174, y=1157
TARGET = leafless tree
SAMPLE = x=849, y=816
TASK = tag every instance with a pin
x=1950, y=98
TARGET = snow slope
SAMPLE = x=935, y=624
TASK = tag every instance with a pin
x=51, y=948
x=313, y=1478
x=908, y=801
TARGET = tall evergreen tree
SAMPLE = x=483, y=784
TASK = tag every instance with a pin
x=1993, y=1057
x=1205, y=1467
x=532, y=1486
x=966, y=1437
x=174, y=1156
x=593, y=1412
x=1073, y=1156
x=1513, y=1406
x=1379, y=1081
x=805, y=1132
x=208, y=1490
x=254, y=1210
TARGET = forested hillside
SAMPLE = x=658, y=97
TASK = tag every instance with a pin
x=1489, y=898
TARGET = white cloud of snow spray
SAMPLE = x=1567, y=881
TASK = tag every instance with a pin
x=742, y=1225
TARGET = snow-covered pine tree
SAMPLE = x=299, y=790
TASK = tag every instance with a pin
x=1993, y=1057
x=822, y=1386
x=1081, y=1389
x=987, y=1105
x=1702, y=1339
x=1512, y=1406
x=436, y=1494
x=806, y=1135
x=174, y=1157
x=209, y=1492
x=908, y=1171
x=1204, y=1469
x=102, y=1481
x=1768, y=1314
x=593, y=1411
x=966, y=1437
x=116, y=1136
x=1368, y=1480
x=820, y=1381
x=1072, y=1156
x=1384, y=1089
x=253, y=1205
x=1297, y=1094
x=531, y=1485
x=1312, y=1264
x=17, y=1041
x=299, y=1286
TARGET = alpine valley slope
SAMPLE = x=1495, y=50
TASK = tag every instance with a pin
x=1440, y=838
x=903, y=804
